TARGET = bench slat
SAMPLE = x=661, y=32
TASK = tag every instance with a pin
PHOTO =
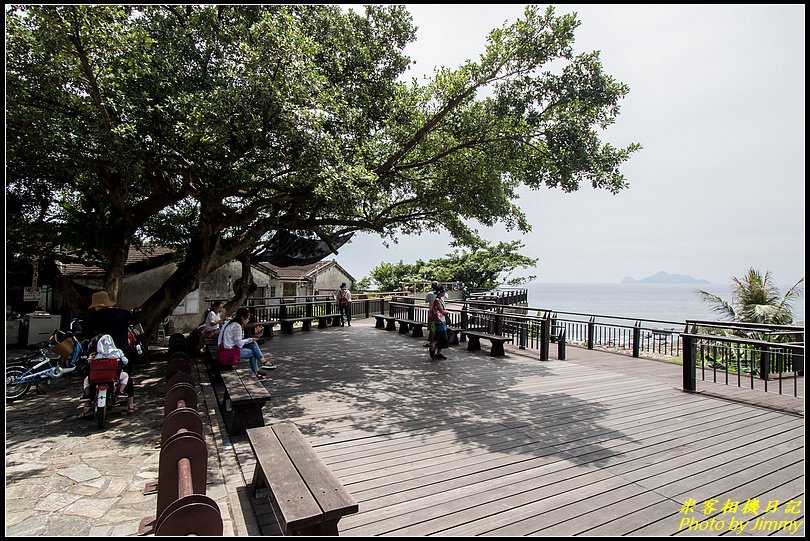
x=488, y=336
x=297, y=512
x=240, y=390
x=334, y=500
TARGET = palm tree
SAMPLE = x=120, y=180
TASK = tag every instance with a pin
x=755, y=299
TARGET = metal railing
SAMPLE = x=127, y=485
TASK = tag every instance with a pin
x=501, y=296
x=730, y=360
x=359, y=308
x=634, y=336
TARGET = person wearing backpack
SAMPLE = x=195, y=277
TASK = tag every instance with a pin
x=344, y=298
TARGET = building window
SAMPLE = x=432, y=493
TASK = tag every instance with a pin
x=290, y=289
x=272, y=291
x=258, y=295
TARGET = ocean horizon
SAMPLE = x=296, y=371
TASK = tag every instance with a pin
x=664, y=302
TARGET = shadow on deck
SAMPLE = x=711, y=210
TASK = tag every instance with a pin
x=477, y=445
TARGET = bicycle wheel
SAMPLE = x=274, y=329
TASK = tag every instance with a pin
x=15, y=389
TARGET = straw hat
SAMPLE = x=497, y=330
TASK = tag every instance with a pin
x=101, y=299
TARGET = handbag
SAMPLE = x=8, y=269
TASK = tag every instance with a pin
x=228, y=356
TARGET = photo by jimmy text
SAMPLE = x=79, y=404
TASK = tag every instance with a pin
x=773, y=518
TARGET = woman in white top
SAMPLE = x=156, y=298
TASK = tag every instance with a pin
x=231, y=336
x=213, y=320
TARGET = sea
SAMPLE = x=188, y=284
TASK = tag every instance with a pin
x=662, y=302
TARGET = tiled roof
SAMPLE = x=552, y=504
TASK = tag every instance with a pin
x=297, y=272
x=135, y=256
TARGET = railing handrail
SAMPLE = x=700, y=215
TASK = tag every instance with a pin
x=736, y=340
x=290, y=305
x=747, y=326
x=679, y=324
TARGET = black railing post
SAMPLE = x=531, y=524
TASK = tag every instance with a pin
x=464, y=317
x=636, y=339
x=498, y=329
x=561, y=345
x=545, y=331
x=368, y=308
x=689, y=360
x=524, y=335
x=410, y=308
x=308, y=309
x=591, y=329
x=282, y=310
x=765, y=363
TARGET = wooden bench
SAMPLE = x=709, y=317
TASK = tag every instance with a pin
x=268, y=328
x=455, y=334
x=306, y=496
x=287, y=324
x=406, y=325
x=323, y=321
x=244, y=398
x=389, y=323
x=497, y=342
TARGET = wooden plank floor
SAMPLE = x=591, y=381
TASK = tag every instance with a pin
x=475, y=445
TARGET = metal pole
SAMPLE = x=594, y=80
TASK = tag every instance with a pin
x=689, y=358
x=545, y=325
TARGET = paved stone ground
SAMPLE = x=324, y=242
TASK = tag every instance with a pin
x=65, y=477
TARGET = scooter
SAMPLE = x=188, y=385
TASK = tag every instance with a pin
x=104, y=375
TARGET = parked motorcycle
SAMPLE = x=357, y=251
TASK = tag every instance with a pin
x=103, y=375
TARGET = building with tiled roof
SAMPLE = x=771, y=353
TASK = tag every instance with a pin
x=148, y=268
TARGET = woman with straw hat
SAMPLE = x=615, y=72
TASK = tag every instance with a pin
x=106, y=318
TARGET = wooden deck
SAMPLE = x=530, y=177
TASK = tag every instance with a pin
x=476, y=445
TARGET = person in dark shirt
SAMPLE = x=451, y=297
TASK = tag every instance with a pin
x=106, y=318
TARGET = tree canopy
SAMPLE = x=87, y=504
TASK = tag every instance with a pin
x=208, y=128
x=485, y=267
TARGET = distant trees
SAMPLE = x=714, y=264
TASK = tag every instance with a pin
x=485, y=267
x=755, y=299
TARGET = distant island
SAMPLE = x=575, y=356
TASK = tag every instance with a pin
x=665, y=278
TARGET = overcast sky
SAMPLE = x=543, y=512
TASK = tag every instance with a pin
x=716, y=100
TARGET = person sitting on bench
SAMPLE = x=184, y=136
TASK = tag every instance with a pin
x=231, y=336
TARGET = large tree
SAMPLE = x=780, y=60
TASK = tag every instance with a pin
x=209, y=128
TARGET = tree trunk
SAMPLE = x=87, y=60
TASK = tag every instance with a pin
x=205, y=254
x=246, y=285
x=117, y=259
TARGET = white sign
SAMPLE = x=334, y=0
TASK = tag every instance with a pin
x=31, y=294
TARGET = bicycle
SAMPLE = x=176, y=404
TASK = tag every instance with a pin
x=38, y=367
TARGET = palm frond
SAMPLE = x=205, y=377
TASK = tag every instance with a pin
x=718, y=305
